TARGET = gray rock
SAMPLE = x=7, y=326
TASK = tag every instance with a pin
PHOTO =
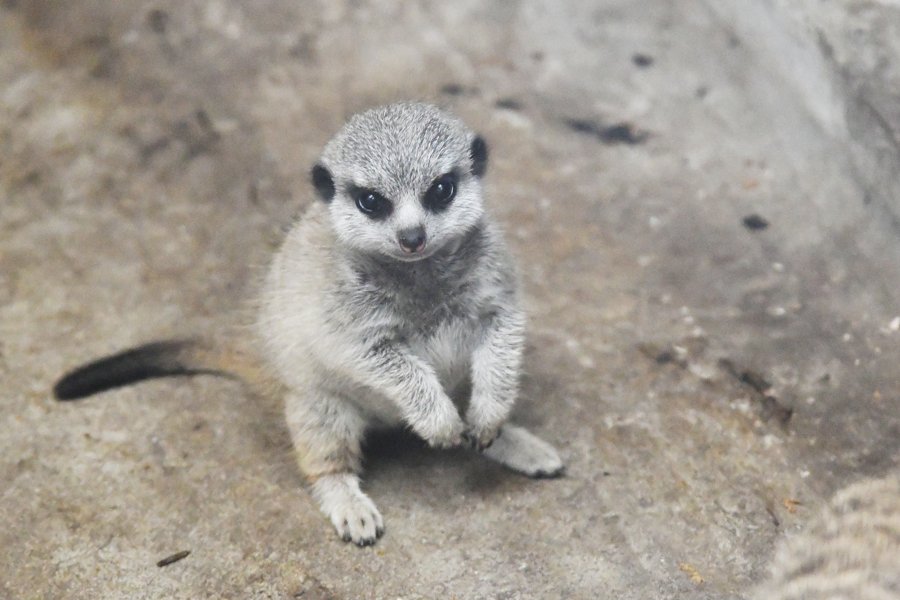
x=697, y=373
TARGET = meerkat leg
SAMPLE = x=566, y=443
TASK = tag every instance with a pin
x=391, y=369
x=496, y=365
x=518, y=449
x=327, y=435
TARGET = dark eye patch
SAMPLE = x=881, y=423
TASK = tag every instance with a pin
x=371, y=203
x=441, y=193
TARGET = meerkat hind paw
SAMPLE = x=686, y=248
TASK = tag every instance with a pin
x=350, y=510
x=357, y=520
x=518, y=449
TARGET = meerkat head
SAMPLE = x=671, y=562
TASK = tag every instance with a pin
x=402, y=180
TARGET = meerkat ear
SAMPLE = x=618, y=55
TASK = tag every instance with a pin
x=479, y=153
x=323, y=182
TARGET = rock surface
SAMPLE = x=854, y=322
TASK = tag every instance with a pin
x=702, y=196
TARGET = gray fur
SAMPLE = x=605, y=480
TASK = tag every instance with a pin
x=364, y=334
x=399, y=150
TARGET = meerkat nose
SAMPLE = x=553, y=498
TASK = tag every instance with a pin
x=412, y=240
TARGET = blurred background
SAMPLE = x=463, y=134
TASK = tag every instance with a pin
x=702, y=196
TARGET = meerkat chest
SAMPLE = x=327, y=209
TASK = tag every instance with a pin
x=435, y=311
x=448, y=349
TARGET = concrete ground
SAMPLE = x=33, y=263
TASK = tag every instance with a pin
x=702, y=197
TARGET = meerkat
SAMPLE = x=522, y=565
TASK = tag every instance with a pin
x=393, y=301
x=849, y=551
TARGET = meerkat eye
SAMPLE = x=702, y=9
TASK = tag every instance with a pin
x=372, y=204
x=441, y=192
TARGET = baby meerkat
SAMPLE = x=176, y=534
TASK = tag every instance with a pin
x=392, y=301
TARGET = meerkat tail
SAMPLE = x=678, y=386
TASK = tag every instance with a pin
x=158, y=359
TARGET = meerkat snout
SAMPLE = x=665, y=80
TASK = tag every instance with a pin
x=412, y=240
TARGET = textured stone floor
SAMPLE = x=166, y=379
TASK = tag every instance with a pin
x=702, y=197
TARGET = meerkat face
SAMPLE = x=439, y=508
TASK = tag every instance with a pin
x=402, y=181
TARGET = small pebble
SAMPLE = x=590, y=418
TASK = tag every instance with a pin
x=755, y=222
x=642, y=60
x=174, y=558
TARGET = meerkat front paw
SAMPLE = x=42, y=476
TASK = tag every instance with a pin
x=352, y=513
x=482, y=426
x=445, y=431
x=481, y=438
